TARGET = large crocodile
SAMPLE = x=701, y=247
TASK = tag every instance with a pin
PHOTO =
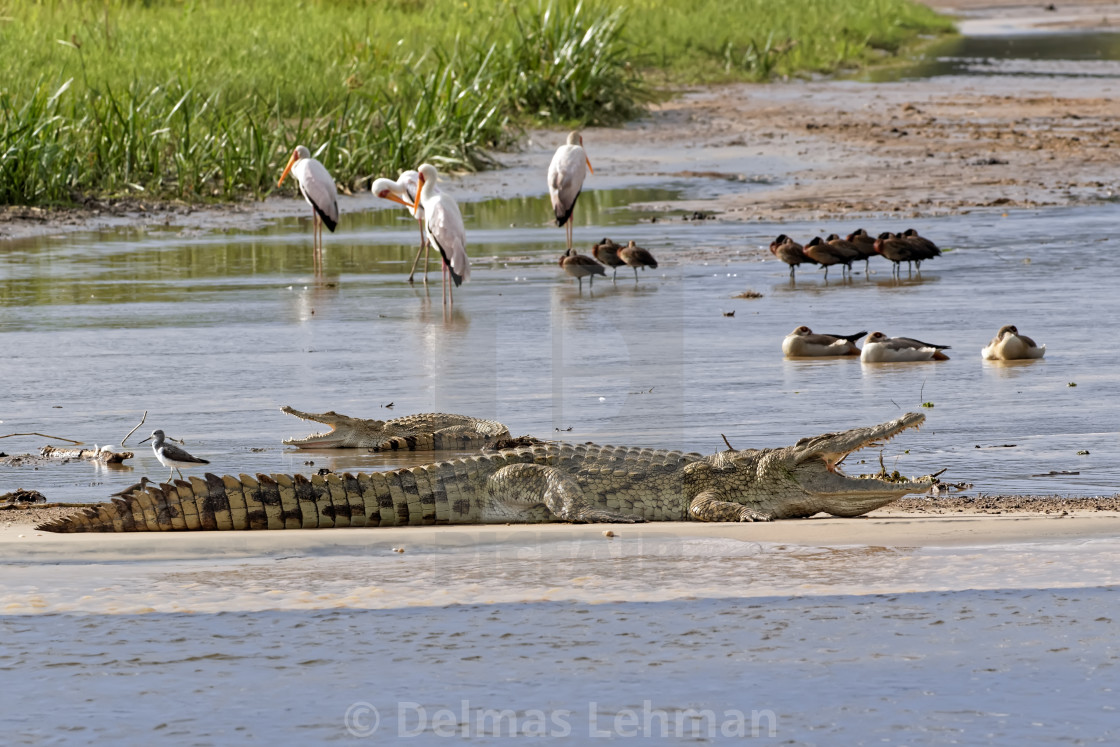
x=424, y=432
x=544, y=482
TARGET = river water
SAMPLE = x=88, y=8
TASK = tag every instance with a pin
x=210, y=332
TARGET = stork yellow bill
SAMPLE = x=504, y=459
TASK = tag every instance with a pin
x=404, y=190
x=444, y=224
x=318, y=189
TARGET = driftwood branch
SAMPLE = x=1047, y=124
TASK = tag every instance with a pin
x=44, y=435
x=137, y=426
x=104, y=455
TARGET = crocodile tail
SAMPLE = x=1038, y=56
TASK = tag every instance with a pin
x=426, y=494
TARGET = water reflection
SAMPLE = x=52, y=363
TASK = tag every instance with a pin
x=1077, y=54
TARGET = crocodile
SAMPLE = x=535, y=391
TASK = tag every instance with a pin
x=539, y=483
x=423, y=432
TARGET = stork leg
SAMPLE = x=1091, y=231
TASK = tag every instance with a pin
x=316, y=258
x=423, y=248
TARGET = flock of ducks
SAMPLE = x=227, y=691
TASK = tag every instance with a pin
x=906, y=247
x=606, y=254
x=802, y=342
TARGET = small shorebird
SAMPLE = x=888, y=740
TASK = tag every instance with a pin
x=566, y=173
x=803, y=343
x=580, y=266
x=170, y=455
x=878, y=348
x=1009, y=345
x=606, y=252
x=635, y=256
x=790, y=252
x=445, y=228
x=134, y=486
x=404, y=191
x=318, y=188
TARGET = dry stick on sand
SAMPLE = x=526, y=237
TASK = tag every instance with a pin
x=44, y=435
x=137, y=426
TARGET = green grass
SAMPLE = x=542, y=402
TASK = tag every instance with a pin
x=205, y=99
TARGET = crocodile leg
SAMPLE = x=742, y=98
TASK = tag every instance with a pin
x=708, y=506
x=516, y=487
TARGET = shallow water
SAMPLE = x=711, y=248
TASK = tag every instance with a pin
x=211, y=332
x=1007, y=643
x=1073, y=54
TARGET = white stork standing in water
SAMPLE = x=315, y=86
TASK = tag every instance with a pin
x=404, y=191
x=444, y=224
x=317, y=187
x=566, y=173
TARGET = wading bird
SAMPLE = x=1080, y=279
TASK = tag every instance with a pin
x=865, y=244
x=606, y=252
x=635, y=256
x=878, y=348
x=444, y=224
x=580, y=266
x=404, y=191
x=923, y=248
x=827, y=254
x=566, y=173
x=317, y=187
x=790, y=252
x=803, y=343
x=896, y=249
x=170, y=455
x=1009, y=345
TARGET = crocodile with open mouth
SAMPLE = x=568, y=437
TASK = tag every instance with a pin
x=424, y=432
x=539, y=483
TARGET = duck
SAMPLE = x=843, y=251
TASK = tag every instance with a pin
x=636, y=257
x=580, y=266
x=923, y=248
x=803, y=343
x=865, y=244
x=1009, y=345
x=606, y=251
x=790, y=252
x=896, y=249
x=826, y=254
x=878, y=348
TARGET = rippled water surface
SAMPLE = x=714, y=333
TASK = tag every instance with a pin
x=211, y=331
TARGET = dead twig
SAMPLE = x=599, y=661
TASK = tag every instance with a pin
x=137, y=426
x=44, y=435
x=729, y=446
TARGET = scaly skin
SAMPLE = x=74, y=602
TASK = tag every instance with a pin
x=545, y=482
x=425, y=432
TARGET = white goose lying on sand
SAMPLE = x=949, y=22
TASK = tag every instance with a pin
x=878, y=348
x=1009, y=345
x=802, y=343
